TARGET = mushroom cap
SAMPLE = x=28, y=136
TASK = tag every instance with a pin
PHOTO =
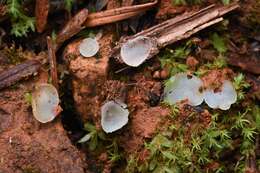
x=114, y=116
x=88, y=47
x=181, y=87
x=45, y=101
x=222, y=99
x=135, y=51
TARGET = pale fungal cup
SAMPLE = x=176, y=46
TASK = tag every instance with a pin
x=134, y=52
x=45, y=102
x=114, y=115
x=183, y=87
x=89, y=47
x=222, y=99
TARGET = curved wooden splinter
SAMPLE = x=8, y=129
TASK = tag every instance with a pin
x=118, y=14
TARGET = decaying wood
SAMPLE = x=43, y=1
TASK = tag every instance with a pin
x=18, y=72
x=254, y=82
x=2, y=34
x=72, y=27
x=179, y=28
x=124, y=4
x=52, y=62
x=247, y=63
x=3, y=12
x=127, y=3
x=41, y=13
x=118, y=14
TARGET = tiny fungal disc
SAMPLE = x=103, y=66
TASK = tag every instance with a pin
x=88, y=47
x=223, y=99
x=45, y=101
x=113, y=116
x=134, y=52
x=182, y=87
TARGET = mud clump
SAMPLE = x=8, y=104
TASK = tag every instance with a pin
x=144, y=124
x=147, y=120
x=215, y=78
x=167, y=10
x=89, y=75
x=144, y=119
x=26, y=144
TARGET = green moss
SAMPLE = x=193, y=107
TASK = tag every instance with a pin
x=187, y=144
x=21, y=23
x=178, y=150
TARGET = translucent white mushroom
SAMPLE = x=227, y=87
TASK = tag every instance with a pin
x=45, y=103
x=88, y=47
x=114, y=116
x=181, y=87
x=134, y=52
x=222, y=99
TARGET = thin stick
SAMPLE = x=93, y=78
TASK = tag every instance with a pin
x=114, y=15
x=18, y=72
x=110, y=19
x=178, y=28
x=52, y=62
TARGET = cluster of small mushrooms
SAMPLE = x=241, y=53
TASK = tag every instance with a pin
x=114, y=114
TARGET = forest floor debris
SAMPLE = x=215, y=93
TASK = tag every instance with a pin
x=157, y=136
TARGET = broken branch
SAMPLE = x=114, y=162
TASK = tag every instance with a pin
x=72, y=27
x=18, y=72
x=178, y=28
x=115, y=15
x=41, y=11
x=52, y=62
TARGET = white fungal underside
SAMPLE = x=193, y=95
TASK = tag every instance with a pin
x=113, y=116
x=222, y=99
x=45, y=101
x=88, y=47
x=134, y=52
x=180, y=88
x=183, y=88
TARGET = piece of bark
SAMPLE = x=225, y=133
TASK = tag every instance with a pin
x=254, y=82
x=72, y=27
x=118, y=14
x=41, y=13
x=124, y=4
x=178, y=28
x=245, y=62
x=18, y=72
x=112, y=4
x=100, y=4
x=168, y=10
x=2, y=34
x=127, y=3
x=52, y=62
x=3, y=12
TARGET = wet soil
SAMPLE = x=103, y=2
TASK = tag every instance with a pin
x=27, y=145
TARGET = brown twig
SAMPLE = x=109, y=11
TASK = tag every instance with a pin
x=126, y=3
x=74, y=25
x=3, y=12
x=52, y=62
x=41, y=13
x=114, y=15
x=247, y=63
x=18, y=72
